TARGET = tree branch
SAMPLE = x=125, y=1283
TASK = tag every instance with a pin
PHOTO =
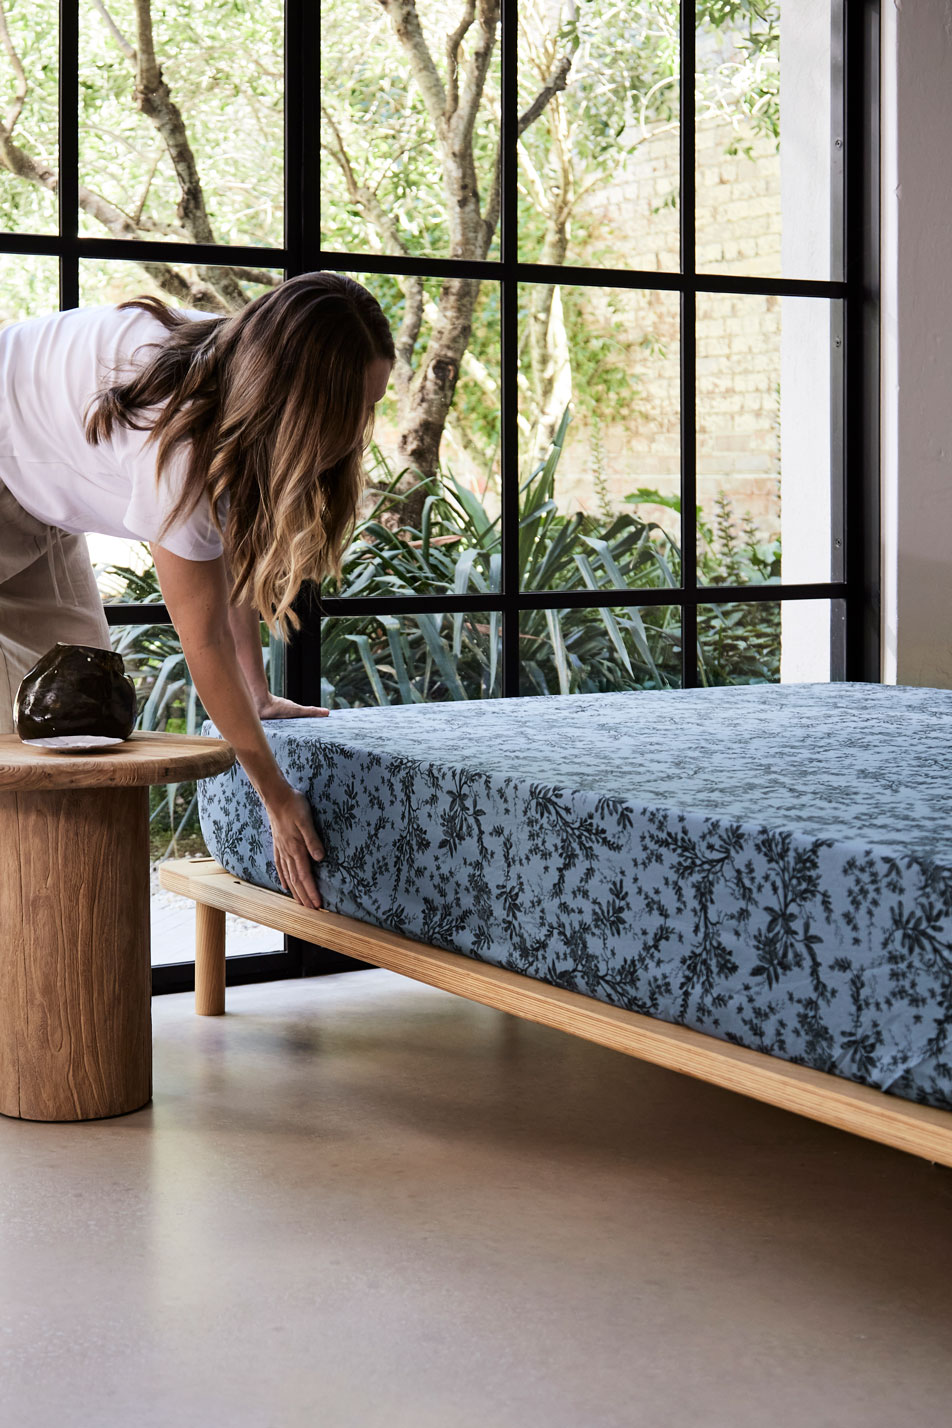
x=148, y=184
x=127, y=49
x=20, y=92
x=165, y=230
x=408, y=30
x=263, y=276
x=556, y=83
x=23, y=165
x=453, y=42
x=476, y=71
x=533, y=179
x=154, y=100
x=119, y=224
x=374, y=210
x=187, y=293
x=405, y=340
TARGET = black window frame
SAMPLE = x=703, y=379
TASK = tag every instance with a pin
x=854, y=587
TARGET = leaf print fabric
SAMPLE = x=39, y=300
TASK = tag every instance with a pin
x=771, y=865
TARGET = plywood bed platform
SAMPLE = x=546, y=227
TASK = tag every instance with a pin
x=902, y=1124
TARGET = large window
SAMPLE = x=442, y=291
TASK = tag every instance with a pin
x=625, y=251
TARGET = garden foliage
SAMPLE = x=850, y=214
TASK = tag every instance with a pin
x=457, y=549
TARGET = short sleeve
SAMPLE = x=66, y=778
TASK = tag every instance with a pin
x=193, y=537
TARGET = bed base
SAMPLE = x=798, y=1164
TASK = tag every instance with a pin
x=920, y=1130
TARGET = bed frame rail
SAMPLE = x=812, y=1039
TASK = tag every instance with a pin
x=920, y=1130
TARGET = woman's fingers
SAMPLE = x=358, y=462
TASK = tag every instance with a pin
x=274, y=707
x=296, y=877
x=303, y=886
x=296, y=842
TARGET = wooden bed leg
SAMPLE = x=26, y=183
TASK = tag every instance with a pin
x=209, y=960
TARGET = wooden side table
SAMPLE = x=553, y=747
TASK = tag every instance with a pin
x=75, y=969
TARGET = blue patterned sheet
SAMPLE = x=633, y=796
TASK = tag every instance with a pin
x=771, y=865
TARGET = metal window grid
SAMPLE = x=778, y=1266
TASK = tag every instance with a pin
x=854, y=589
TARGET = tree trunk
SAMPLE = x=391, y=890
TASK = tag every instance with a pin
x=550, y=372
x=430, y=394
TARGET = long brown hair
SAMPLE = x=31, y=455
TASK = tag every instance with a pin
x=272, y=403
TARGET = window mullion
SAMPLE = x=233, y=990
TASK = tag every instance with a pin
x=689, y=663
x=509, y=355
x=68, y=189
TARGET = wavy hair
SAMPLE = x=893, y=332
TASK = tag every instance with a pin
x=272, y=403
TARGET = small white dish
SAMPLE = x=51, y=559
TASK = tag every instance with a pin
x=74, y=743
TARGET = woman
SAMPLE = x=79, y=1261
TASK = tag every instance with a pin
x=233, y=445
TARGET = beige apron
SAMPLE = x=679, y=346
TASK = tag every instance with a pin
x=48, y=593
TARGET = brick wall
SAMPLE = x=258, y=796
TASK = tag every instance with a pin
x=738, y=338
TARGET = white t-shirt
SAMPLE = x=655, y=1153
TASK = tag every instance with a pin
x=50, y=369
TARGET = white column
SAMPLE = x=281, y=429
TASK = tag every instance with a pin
x=917, y=344
x=805, y=99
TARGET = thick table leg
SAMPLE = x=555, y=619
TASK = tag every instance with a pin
x=209, y=960
x=75, y=975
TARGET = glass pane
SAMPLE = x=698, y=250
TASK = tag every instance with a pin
x=452, y=438
x=599, y=163
x=29, y=113
x=599, y=650
x=199, y=156
x=410, y=659
x=600, y=502
x=767, y=161
x=182, y=285
x=29, y=287
x=124, y=570
x=388, y=185
x=764, y=439
x=167, y=701
x=765, y=642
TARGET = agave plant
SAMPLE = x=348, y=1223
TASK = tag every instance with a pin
x=457, y=549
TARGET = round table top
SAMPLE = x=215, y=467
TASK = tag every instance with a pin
x=141, y=759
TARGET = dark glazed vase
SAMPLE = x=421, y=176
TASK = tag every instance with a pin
x=75, y=690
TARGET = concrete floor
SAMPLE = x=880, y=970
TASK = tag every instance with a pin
x=357, y=1202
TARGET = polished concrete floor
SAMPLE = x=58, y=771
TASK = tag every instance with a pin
x=357, y=1202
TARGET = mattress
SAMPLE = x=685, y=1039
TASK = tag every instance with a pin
x=771, y=865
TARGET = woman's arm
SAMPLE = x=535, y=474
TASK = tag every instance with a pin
x=196, y=595
x=245, y=623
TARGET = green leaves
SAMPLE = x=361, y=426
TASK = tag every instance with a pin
x=391, y=659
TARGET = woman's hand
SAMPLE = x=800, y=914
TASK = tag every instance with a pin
x=271, y=707
x=295, y=844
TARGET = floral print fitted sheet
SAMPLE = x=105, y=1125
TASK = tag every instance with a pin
x=771, y=865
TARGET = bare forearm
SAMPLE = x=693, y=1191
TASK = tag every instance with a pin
x=196, y=593
x=223, y=690
x=245, y=625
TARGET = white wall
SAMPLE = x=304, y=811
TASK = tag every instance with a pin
x=917, y=342
x=805, y=434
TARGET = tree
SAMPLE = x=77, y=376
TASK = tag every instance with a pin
x=412, y=166
x=597, y=80
x=155, y=184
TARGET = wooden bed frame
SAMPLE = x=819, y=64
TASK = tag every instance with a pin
x=920, y=1130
